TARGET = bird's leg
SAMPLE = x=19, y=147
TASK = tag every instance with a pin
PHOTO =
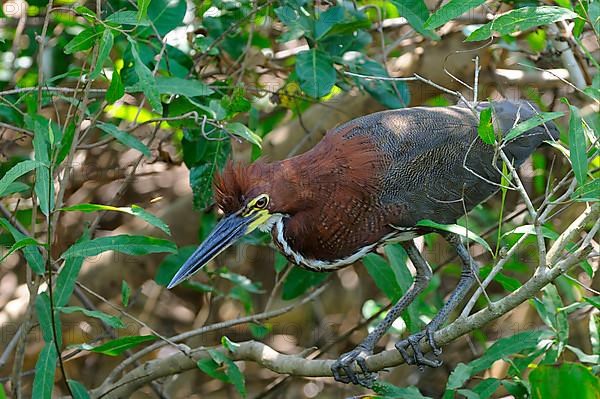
x=343, y=368
x=467, y=277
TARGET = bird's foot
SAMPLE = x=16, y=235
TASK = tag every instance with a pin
x=418, y=358
x=343, y=368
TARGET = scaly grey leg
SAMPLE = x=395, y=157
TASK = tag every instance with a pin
x=345, y=362
x=467, y=278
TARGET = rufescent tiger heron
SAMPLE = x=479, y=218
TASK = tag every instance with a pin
x=367, y=183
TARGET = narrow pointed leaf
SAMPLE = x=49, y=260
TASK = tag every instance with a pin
x=119, y=345
x=79, y=390
x=127, y=244
x=133, y=210
x=106, y=44
x=111, y=320
x=32, y=254
x=577, y=146
x=15, y=172
x=125, y=138
x=538, y=119
x=456, y=229
x=45, y=369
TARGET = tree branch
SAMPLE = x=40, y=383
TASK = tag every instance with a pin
x=299, y=366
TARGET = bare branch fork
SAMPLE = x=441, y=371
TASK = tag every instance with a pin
x=557, y=264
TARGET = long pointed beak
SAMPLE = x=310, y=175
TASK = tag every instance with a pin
x=226, y=232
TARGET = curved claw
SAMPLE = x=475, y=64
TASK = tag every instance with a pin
x=343, y=368
x=418, y=358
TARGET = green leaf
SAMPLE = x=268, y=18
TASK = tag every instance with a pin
x=124, y=138
x=184, y=87
x=44, y=189
x=456, y=229
x=383, y=276
x=233, y=373
x=171, y=264
x=538, y=119
x=451, y=10
x=14, y=188
x=146, y=78
x=505, y=347
x=212, y=369
x=119, y=345
x=116, y=90
x=210, y=156
x=461, y=374
x=389, y=391
x=397, y=257
x=594, y=300
x=487, y=387
x=124, y=243
x=229, y=344
x=577, y=146
x=42, y=309
x=65, y=282
x=78, y=389
x=127, y=18
x=15, y=172
x=32, y=254
x=132, y=210
x=588, y=192
x=85, y=40
x=64, y=146
x=240, y=130
x=142, y=9
x=530, y=229
x=125, y=293
x=22, y=243
x=327, y=19
x=521, y=19
x=485, y=130
x=111, y=320
x=106, y=44
x=416, y=13
x=299, y=281
x=43, y=382
x=568, y=380
x=315, y=72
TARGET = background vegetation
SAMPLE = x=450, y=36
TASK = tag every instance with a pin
x=114, y=115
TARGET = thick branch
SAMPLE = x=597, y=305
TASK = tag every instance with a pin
x=299, y=366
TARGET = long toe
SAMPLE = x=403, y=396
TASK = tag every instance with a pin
x=343, y=369
x=417, y=358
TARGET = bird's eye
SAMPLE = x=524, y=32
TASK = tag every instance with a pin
x=261, y=203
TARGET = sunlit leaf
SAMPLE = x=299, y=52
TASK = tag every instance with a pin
x=568, y=380
x=240, y=130
x=520, y=19
x=486, y=128
x=449, y=11
x=456, y=229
